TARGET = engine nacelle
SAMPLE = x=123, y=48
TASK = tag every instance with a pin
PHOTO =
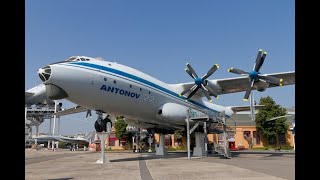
x=172, y=112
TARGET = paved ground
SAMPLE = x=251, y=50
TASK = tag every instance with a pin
x=65, y=165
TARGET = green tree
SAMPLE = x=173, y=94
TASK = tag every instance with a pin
x=120, y=128
x=271, y=129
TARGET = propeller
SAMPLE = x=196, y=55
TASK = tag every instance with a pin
x=200, y=83
x=255, y=75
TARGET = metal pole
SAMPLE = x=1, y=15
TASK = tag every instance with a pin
x=102, y=147
x=205, y=137
x=50, y=131
x=102, y=159
x=224, y=134
x=188, y=135
x=59, y=133
x=54, y=118
x=37, y=130
x=25, y=123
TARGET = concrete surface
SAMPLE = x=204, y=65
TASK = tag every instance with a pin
x=65, y=165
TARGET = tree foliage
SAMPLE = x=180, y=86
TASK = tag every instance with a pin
x=271, y=129
x=178, y=134
x=120, y=128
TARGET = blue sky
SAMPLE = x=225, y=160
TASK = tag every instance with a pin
x=160, y=37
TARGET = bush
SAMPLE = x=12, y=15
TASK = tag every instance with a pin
x=260, y=148
x=283, y=147
x=179, y=148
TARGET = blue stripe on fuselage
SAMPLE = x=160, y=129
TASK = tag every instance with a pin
x=130, y=76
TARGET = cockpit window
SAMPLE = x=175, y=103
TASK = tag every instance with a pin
x=74, y=58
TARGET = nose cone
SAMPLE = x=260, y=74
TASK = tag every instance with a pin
x=198, y=81
x=44, y=73
x=253, y=74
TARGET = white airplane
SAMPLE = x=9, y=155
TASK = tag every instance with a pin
x=145, y=102
x=74, y=140
x=37, y=95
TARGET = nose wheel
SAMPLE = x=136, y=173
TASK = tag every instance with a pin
x=101, y=123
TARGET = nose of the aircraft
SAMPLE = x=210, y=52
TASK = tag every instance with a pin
x=44, y=73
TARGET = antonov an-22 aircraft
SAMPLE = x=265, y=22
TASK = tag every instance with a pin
x=145, y=102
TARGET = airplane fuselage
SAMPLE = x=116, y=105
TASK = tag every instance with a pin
x=120, y=90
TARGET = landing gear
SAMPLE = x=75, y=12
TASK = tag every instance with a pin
x=101, y=124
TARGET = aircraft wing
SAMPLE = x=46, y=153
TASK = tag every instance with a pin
x=72, y=110
x=246, y=108
x=61, y=138
x=238, y=84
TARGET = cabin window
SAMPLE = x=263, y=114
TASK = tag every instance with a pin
x=105, y=79
x=114, y=82
x=140, y=89
x=130, y=86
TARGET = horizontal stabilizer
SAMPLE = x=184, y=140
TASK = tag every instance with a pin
x=28, y=94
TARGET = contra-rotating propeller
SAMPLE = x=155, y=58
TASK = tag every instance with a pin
x=255, y=75
x=200, y=83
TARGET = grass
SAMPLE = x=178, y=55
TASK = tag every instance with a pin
x=177, y=148
x=260, y=148
x=273, y=147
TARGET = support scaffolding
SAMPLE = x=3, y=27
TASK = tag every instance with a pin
x=201, y=138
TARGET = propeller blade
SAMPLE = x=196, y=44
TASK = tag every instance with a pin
x=187, y=70
x=206, y=92
x=272, y=80
x=246, y=96
x=237, y=71
x=187, y=89
x=193, y=92
x=261, y=61
x=212, y=92
x=252, y=109
x=211, y=71
x=258, y=61
x=192, y=71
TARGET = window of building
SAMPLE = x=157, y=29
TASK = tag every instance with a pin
x=282, y=139
x=256, y=138
x=246, y=133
